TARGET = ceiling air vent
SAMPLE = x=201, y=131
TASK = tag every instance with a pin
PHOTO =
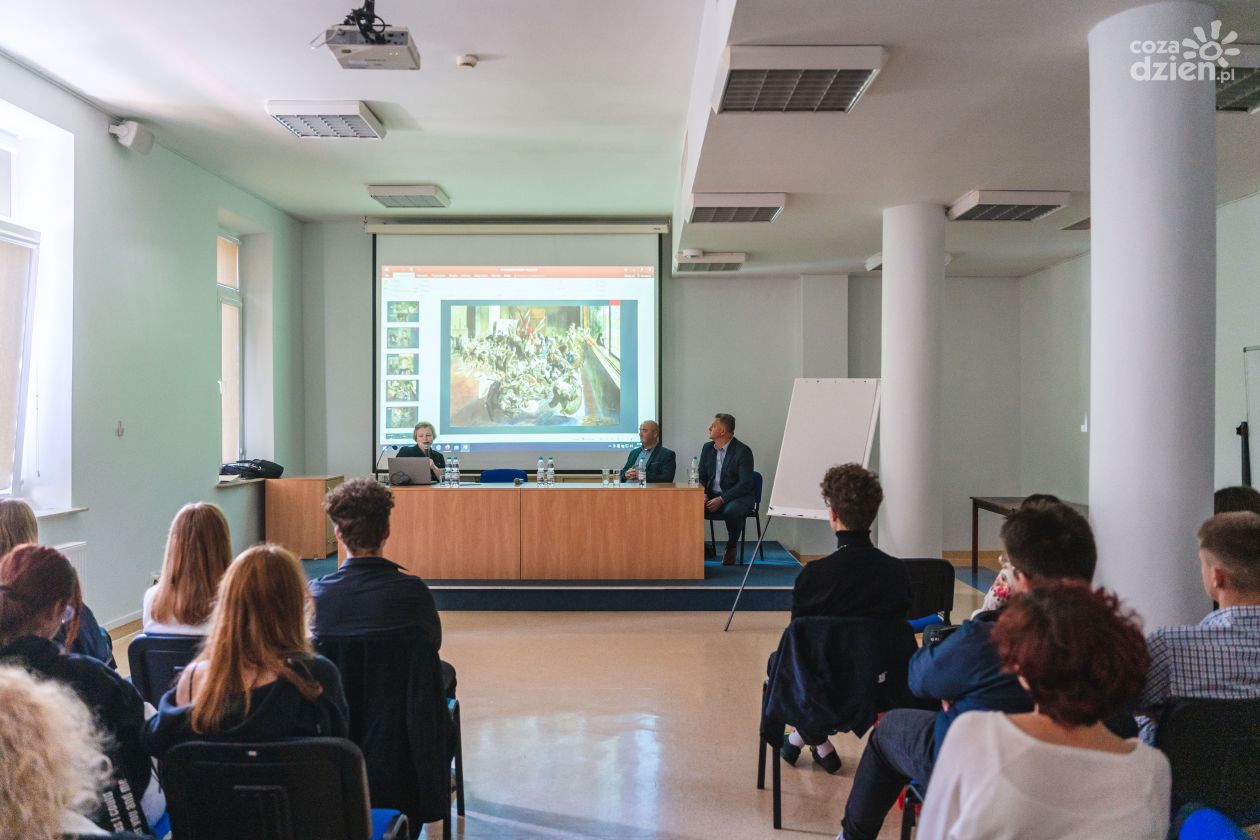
x=409, y=195
x=1238, y=86
x=1007, y=205
x=1083, y=224
x=795, y=79
x=693, y=260
x=334, y=120
x=735, y=207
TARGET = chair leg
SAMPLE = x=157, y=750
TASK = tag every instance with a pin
x=907, y=819
x=459, y=762
x=777, y=782
x=712, y=537
x=762, y=554
x=761, y=763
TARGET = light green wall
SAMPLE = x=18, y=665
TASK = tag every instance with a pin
x=146, y=346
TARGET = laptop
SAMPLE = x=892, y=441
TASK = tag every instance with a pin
x=403, y=471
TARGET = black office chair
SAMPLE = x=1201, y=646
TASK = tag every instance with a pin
x=309, y=788
x=912, y=799
x=931, y=588
x=156, y=662
x=502, y=476
x=755, y=513
x=831, y=675
x=401, y=719
x=1214, y=749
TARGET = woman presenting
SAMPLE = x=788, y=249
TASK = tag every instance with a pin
x=423, y=435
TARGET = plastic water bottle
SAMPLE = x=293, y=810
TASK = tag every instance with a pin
x=693, y=472
x=640, y=469
x=551, y=472
x=455, y=477
x=540, y=478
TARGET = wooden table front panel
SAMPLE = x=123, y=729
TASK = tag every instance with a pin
x=472, y=533
x=605, y=533
x=293, y=514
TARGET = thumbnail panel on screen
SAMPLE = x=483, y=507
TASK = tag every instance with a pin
x=533, y=364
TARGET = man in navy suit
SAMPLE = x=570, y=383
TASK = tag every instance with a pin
x=660, y=461
x=726, y=474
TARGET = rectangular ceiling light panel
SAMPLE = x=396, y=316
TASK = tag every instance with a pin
x=795, y=79
x=1007, y=205
x=331, y=120
x=735, y=207
x=409, y=195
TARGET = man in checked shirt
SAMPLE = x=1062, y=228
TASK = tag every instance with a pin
x=1218, y=658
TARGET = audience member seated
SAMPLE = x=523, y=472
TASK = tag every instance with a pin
x=198, y=551
x=369, y=594
x=1000, y=590
x=1218, y=658
x=1233, y=499
x=1044, y=542
x=659, y=462
x=39, y=592
x=18, y=525
x=256, y=679
x=52, y=769
x=1057, y=771
x=856, y=581
x=726, y=474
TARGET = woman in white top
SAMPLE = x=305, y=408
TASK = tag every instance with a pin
x=1056, y=772
x=198, y=551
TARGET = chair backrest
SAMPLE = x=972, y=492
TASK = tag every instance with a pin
x=156, y=662
x=309, y=788
x=756, y=489
x=502, y=476
x=931, y=587
x=837, y=673
x=398, y=718
x=1214, y=749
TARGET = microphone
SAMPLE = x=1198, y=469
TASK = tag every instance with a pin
x=377, y=466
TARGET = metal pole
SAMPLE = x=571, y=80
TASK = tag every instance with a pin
x=747, y=572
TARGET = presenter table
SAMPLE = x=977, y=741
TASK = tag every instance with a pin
x=565, y=532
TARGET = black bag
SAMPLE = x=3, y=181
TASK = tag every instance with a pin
x=253, y=468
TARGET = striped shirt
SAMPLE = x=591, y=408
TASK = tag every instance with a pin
x=1216, y=659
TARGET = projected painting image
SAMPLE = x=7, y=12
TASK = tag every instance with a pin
x=516, y=365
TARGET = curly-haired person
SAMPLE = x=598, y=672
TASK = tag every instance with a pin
x=1056, y=771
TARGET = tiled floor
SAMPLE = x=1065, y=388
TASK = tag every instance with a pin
x=627, y=725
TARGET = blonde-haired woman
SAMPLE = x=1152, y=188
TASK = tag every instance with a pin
x=256, y=678
x=17, y=524
x=51, y=764
x=198, y=551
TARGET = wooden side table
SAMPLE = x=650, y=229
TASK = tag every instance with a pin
x=294, y=514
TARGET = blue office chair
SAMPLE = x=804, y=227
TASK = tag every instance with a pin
x=502, y=476
x=1196, y=822
x=755, y=513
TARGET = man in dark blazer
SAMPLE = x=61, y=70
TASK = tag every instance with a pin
x=660, y=461
x=726, y=474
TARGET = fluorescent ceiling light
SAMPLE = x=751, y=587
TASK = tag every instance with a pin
x=409, y=195
x=327, y=120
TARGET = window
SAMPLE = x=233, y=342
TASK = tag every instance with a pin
x=18, y=251
x=231, y=337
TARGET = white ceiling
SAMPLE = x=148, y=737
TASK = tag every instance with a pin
x=578, y=109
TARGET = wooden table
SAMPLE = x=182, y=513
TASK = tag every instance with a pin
x=565, y=532
x=1003, y=506
x=293, y=514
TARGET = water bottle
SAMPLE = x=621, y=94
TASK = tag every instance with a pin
x=693, y=472
x=551, y=472
x=640, y=469
x=455, y=477
x=540, y=477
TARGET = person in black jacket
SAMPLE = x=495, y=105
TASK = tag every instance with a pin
x=856, y=581
x=726, y=474
x=661, y=462
x=369, y=594
x=424, y=434
x=39, y=592
x=257, y=677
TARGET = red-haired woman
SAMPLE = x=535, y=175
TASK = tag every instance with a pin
x=1056, y=771
x=39, y=594
x=256, y=678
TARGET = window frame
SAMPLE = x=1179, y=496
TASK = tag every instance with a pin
x=30, y=239
x=233, y=297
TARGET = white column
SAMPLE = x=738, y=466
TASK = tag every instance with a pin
x=910, y=367
x=1152, y=309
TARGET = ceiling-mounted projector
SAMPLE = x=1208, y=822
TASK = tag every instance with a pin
x=366, y=42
